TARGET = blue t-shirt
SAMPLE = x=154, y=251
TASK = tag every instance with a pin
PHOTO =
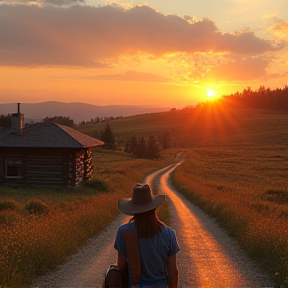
x=153, y=253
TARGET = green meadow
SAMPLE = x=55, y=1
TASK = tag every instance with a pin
x=214, y=125
x=235, y=168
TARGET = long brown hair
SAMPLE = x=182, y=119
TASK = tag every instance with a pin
x=147, y=223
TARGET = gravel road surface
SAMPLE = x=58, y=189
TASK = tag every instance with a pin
x=208, y=257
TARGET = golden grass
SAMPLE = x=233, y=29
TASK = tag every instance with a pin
x=246, y=189
x=32, y=244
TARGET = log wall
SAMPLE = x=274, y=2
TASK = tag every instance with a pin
x=45, y=169
x=59, y=167
x=88, y=165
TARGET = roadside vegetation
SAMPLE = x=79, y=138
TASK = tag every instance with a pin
x=40, y=227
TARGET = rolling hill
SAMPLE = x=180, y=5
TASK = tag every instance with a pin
x=76, y=111
x=217, y=124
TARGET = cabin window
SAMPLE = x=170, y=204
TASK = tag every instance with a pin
x=13, y=168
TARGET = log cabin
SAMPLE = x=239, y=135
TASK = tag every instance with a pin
x=45, y=154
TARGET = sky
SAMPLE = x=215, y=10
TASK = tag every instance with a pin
x=166, y=53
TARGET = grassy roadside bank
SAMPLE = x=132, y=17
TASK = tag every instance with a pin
x=40, y=227
x=245, y=189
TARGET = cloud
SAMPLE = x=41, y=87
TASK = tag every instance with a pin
x=63, y=2
x=44, y=2
x=131, y=75
x=84, y=36
x=273, y=19
x=281, y=30
x=239, y=70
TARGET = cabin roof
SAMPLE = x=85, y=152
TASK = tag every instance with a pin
x=3, y=132
x=47, y=135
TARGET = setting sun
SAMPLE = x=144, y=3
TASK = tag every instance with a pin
x=210, y=93
x=202, y=64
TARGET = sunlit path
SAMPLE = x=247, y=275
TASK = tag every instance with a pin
x=208, y=257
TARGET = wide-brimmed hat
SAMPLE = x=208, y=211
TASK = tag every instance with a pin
x=142, y=200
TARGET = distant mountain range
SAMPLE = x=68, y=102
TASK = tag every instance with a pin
x=76, y=111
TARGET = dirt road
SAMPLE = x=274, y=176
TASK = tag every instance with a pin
x=208, y=257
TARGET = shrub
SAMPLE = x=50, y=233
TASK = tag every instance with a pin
x=7, y=204
x=8, y=217
x=276, y=196
x=97, y=184
x=36, y=206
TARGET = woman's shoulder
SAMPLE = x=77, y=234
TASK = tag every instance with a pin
x=170, y=237
x=126, y=226
x=168, y=230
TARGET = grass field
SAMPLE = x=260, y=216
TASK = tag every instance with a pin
x=235, y=168
x=212, y=126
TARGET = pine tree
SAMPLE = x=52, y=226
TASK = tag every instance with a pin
x=152, y=149
x=133, y=145
x=127, y=147
x=141, y=148
x=165, y=140
x=107, y=136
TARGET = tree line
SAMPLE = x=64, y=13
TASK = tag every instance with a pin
x=262, y=98
x=61, y=120
x=138, y=147
x=5, y=120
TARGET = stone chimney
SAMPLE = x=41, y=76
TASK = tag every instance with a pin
x=17, y=121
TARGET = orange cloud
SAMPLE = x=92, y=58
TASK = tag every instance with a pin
x=239, y=70
x=132, y=76
x=85, y=36
x=281, y=30
x=44, y=2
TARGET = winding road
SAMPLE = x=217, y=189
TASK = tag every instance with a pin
x=209, y=258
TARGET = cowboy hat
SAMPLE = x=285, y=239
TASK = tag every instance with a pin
x=142, y=200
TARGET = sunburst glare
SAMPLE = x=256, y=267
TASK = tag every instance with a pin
x=210, y=93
